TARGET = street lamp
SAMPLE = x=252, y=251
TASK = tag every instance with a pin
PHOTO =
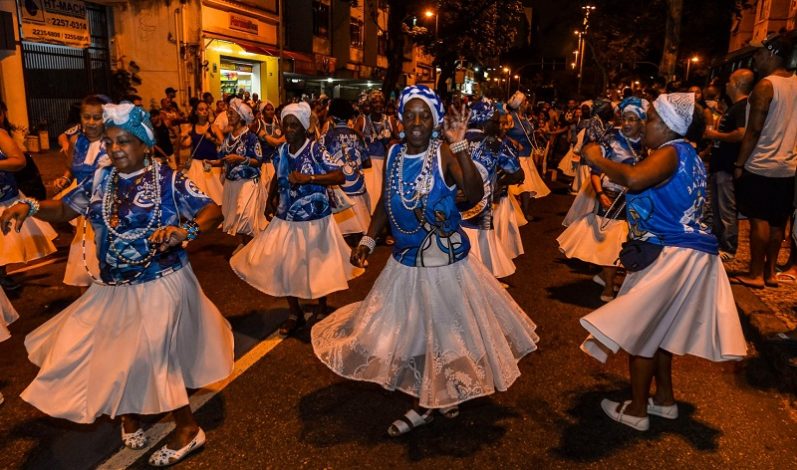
x=429, y=14
x=689, y=62
x=582, y=39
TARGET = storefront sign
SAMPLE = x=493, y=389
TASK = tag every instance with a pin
x=55, y=21
x=242, y=23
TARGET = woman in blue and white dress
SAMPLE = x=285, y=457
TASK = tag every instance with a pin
x=598, y=236
x=302, y=254
x=436, y=325
x=241, y=156
x=379, y=131
x=201, y=138
x=34, y=240
x=268, y=130
x=87, y=154
x=348, y=148
x=144, y=332
x=522, y=133
x=681, y=302
x=491, y=156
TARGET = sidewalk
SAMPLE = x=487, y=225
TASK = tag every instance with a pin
x=768, y=313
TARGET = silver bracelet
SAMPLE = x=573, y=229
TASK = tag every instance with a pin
x=460, y=146
x=368, y=242
x=33, y=205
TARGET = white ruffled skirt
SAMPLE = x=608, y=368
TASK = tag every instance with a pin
x=34, y=241
x=569, y=163
x=129, y=349
x=532, y=183
x=266, y=173
x=586, y=202
x=582, y=176
x=485, y=247
x=307, y=260
x=507, y=228
x=76, y=273
x=243, y=207
x=681, y=303
x=357, y=218
x=209, y=182
x=594, y=239
x=444, y=335
x=373, y=180
x=8, y=315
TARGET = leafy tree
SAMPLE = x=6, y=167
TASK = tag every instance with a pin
x=672, y=38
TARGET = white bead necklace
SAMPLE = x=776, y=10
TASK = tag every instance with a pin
x=419, y=189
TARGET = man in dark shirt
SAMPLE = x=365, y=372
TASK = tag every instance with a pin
x=727, y=141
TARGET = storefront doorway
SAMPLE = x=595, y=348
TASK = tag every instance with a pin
x=239, y=76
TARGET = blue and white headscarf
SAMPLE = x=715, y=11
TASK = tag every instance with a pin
x=132, y=119
x=425, y=94
x=635, y=105
x=481, y=111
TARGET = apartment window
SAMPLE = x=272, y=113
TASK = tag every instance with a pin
x=356, y=29
x=320, y=19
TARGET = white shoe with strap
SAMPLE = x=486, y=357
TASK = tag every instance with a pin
x=635, y=422
x=165, y=457
x=410, y=421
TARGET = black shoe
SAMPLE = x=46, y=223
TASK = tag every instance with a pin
x=9, y=284
x=292, y=324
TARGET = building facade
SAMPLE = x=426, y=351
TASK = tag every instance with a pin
x=760, y=18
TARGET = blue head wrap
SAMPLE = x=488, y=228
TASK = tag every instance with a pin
x=426, y=95
x=635, y=105
x=132, y=119
x=481, y=111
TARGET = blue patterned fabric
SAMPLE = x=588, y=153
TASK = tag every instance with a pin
x=430, y=235
x=672, y=214
x=302, y=202
x=481, y=111
x=8, y=184
x=180, y=200
x=81, y=167
x=132, y=119
x=426, y=94
x=521, y=133
x=487, y=161
x=347, y=148
x=377, y=136
x=246, y=145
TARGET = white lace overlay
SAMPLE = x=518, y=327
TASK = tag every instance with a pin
x=444, y=335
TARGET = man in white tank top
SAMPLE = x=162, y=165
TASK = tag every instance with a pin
x=767, y=160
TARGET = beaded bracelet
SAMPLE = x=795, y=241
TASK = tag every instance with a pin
x=460, y=146
x=192, y=228
x=368, y=242
x=33, y=205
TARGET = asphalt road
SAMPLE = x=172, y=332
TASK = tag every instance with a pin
x=290, y=411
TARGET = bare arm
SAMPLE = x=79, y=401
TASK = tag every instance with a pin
x=378, y=223
x=49, y=211
x=734, y=136
x=460, y=170
x=658, y=167
x=325, y=179
x=759, y=102
x=15, y=159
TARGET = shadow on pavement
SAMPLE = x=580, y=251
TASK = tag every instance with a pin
x=361, y=413
x=593, y=436
x=582, y=293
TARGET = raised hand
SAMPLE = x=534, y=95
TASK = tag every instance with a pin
x=456, y=124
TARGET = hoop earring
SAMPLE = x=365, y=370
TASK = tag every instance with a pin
x=435, y=134
x=402, y=135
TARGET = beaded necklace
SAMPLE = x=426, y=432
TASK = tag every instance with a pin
x=419, y=189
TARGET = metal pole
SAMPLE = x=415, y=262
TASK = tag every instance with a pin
x=281, y=40
x=688, y=66
x=436, y=35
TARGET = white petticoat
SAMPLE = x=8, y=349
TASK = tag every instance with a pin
x=532, y=182
x=357, y=218
x=681, y=303
x=373, y=180
x=586, y=202
x=582, y=176
x=209, y=182
x=485, y=247
x=243, y=207
x=568, y=163
x=129, y=349
x=266, y=173
x=307, y=260
x=8, y=315
x=34, y=241
x=594, y=239
x=506, y=227
x=444, y=335
x=75, y=273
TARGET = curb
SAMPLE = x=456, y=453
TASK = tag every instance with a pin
x=764, y=327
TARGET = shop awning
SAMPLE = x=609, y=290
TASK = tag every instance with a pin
x=248, y=46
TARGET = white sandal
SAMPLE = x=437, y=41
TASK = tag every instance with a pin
x=410, y=421
x=134, y=440
x=165, y=457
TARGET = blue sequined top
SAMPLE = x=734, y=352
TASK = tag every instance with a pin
x=180, y=200
x=348, y=149
x=247, y=145
x=672, y=214
x=303, y=202
x=487, y=161
x=428, y=233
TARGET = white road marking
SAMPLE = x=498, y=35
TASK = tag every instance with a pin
x=126, y=457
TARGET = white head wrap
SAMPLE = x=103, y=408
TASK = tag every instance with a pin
x=243, y=110
x=264, y=103
x=300, y=111
x=516, y=100
x=676, y=110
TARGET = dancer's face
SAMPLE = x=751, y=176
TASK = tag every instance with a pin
x=127, y=152
x=418, y=123
x=295, y=133
x=91, y=121
x=632, y=125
